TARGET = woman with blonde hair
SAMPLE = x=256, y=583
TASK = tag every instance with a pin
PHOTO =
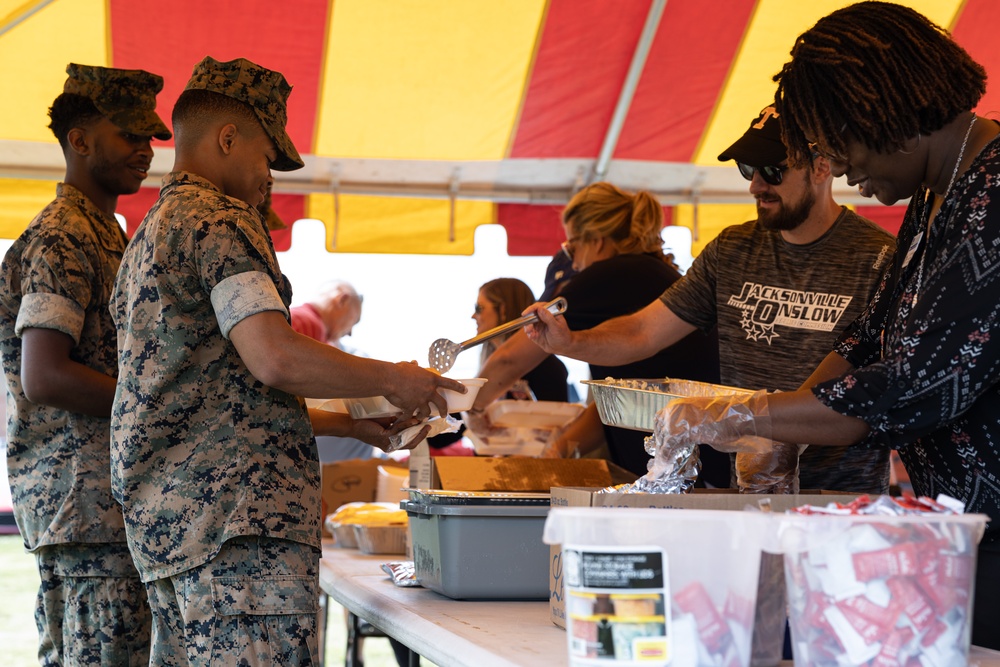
x=613, y=238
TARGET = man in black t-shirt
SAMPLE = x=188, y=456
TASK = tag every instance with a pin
x=780, y=289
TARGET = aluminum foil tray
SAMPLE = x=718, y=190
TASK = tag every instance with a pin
x=633, y=404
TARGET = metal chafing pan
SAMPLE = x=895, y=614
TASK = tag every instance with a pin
x=633, y=404
x=504, y=498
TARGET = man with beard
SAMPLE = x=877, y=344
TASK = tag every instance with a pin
x=780, y=289
x=60, y=361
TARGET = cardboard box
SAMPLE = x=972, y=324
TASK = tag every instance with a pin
x=352, y=480
x=512, y=473
x=718, y=499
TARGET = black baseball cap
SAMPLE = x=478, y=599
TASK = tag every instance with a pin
x=761, y=144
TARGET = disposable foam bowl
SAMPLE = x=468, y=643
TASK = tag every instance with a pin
x=378, y=406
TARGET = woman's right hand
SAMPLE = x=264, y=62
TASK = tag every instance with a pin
x=550, y=332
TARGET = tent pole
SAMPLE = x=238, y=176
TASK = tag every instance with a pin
x=21, y=14
x=628, y=89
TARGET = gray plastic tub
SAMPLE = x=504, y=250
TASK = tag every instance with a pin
x=480, y=551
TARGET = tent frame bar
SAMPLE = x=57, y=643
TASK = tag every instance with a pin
x=624, y=103
x=22, y=14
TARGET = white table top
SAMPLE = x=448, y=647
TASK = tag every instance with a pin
x=457, y=633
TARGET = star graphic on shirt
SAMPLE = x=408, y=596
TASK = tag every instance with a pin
x=768, y=333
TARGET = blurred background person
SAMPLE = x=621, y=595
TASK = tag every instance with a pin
x=330, y=316
x=613, y=240
x=500, y=301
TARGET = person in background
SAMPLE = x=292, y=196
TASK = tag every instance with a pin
x=888, y=97
x=60, y=364
x=557, y=274
x=499, y=301
x=213, y=455
x=331, y=316
x=613, y=238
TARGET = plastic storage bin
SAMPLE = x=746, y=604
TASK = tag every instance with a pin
x=480, y=546
x=658, y=586
x=880, y=590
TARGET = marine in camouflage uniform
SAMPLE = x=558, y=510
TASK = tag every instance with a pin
x=218, y=472
x=58, y=277
x=213, y=452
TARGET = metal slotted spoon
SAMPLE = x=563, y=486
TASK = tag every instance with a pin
x=443, y=352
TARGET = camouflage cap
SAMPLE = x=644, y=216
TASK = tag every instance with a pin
x=266, y=91
x=127, y=97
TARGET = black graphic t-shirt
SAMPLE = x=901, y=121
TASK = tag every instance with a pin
x=780, y=309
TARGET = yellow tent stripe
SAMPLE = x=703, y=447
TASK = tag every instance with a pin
x=63, y=32
x=22, y=202
x=398, y=61
x=772, y=32
x=399, y=225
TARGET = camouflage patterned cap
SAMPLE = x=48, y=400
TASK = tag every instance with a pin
x=127, y=97
x=266, y=91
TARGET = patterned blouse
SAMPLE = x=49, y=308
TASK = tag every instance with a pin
x=927, y=378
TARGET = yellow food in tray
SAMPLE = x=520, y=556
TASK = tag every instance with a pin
x=341, y=523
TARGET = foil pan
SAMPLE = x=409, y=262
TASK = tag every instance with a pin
x=633, y=404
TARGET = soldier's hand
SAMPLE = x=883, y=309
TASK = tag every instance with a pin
x=415, y=389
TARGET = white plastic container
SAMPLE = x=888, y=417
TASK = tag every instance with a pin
x=530, y=425
x=658, y=586
x=378, y=406
x=880, y=590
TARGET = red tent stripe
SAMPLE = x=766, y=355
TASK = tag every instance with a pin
x=982, y=45
x=686, y=69
x=266, y=32
x=579, y=69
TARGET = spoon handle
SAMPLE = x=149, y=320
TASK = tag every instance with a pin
x=556, y=307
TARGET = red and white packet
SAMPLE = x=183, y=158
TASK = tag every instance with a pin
x=884, y=592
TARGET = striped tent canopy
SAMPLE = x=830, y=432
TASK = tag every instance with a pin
x=422, y=119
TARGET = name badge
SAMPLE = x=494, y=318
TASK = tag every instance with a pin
x=913, y=249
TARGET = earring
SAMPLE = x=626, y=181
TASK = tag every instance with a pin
x=914, y=148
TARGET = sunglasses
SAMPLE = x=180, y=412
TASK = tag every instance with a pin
x=772, y=174
x=567, y=246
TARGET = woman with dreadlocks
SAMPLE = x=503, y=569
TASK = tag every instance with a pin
x=887, y=97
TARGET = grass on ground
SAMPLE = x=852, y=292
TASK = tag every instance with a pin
x=19, y=585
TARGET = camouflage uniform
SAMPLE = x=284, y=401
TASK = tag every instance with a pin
x=217, y=473
x=59, y=275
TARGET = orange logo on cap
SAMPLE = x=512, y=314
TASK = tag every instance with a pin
x=765, y=113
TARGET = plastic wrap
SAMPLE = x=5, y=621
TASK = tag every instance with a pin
x=776, y=471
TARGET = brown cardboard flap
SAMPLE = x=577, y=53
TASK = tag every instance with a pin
x=468, y=473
